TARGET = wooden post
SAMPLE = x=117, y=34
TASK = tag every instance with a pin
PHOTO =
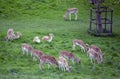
x=99, y=25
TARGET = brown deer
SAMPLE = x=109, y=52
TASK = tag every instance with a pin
x=36, y=39
x=70, y=56
x=69, y=12
x=48, y=38
x=18, y=35
x=26, y=48
x=63, y=64
x=98, y=51
x=10, y=35
x=94, y=56
x=81, y=44
x=37, y=54
x=45, y=59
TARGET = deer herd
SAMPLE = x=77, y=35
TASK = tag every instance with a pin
x=65, y=57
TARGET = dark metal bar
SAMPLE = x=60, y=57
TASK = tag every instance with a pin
x=105, y=17
x=111, y=22
x=90, y=19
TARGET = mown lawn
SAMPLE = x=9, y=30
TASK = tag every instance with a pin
x=15, y=65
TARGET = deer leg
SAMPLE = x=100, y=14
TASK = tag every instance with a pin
x=48, y=66
x=40, y=66
x=34, y=59
x=31, y=54
x=70, y=17
x=75, y=16
x=64, y=68
x=73, y=47
x=94, y=61
x=27, y=52
x=23, y=51
x=72, y=61
x=81, y=49
x=91, y=58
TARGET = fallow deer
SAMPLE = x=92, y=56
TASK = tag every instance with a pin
x=94, y=56
x=26, y=48
x=37, y=54
x=45, y=59
x=98, y=51
x=80, y=43
x=36, y=39
x=48, y=38
x=18, y=35
x=69, y=12
x=63, y=64
x=70, y=56
x=10, y=35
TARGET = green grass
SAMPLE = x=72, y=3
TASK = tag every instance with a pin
x=15, y=65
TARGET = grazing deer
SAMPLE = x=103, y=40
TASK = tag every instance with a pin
x=70, y=56
x=18, y=35
x=94, y=56
x=37, y=54
x=69, y=12
x=26, y=48
x=80, y=43
x=10, y=35
x=45, y=59
x=48, y=38
x=63, y=64
x=36, y=39
x=98, y=51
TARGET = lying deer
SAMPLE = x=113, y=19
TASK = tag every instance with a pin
x=69, y=12
x=63, y=64
x=26, y=48
x=18, y=35
x=94, y=56
x=36, y=39
x=10, y=35
x=98, y=51
x=81, y=44
x=45, y=59
x=48, y=38
x=70, y=56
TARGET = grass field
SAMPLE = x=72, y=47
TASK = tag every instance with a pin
x=15, y=65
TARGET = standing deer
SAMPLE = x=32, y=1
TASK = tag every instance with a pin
x=45, y=59
x=69, y=12
x=37, y=54
x=81, y=44
x=70, y=56
x=94, y=56
x=63, y=64
x=48, y=38
x=98, y=51
x=26, y=48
